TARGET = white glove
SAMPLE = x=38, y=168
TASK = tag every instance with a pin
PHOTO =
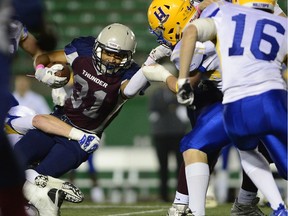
x=88, y=142
x=47, y=75
x=185, y=93
x=156, y=72
x=157, y=53
x=59, y=96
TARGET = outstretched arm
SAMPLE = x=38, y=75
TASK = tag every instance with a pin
x=50, y=57
x=29, y=45
x=131, y=87
x=52, y=125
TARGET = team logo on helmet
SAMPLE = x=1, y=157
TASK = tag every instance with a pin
x=161, y=16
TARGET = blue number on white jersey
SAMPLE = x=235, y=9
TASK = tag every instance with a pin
x=258, y=35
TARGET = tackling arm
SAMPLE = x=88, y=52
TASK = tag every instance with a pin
x=130, y=88
x=29, y=45
x=47, y=58
x=52, y=125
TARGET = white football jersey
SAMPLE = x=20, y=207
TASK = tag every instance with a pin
x=18, y=122
x=204, y=60
x=251, y=45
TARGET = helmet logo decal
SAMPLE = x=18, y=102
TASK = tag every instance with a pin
x=261, y=5
x=161, y=16
x=113, y=45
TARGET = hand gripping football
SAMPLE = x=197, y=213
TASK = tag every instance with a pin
x=65, y=72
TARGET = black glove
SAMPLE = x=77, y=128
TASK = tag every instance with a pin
x=185, y=94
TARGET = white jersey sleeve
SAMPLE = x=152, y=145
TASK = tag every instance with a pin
x=206, y=29
x=18, y=122
x=19, y=118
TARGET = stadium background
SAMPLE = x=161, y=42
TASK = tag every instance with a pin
x=129, y=132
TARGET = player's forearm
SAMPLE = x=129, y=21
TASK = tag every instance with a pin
x=171, y=83
x=187, y=50
x=30, y=46
x=54, y=56
x=42, y=59
x=52, y=125
x=135, y=84
x=49, y=124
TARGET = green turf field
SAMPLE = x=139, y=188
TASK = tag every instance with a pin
x=148, y=209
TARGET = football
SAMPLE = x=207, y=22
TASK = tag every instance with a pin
x=65, y=72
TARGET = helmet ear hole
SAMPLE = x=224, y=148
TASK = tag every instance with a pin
x=171, y=31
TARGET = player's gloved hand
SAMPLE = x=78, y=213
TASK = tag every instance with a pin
x=89, y=142
x=157, y=53
x=47, y=75
x=156, y=72
x=185, y=93
x=59, y=96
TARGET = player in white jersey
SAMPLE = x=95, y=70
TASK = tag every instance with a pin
x=255, y=96
x=166, y=35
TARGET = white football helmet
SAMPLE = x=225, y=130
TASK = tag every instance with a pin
x=115, y=38
x=267, y=5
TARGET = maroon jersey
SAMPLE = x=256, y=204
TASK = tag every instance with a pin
x=95, y=99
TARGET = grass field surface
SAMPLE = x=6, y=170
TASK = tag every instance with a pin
x=145, y=209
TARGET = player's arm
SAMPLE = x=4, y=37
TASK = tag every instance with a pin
x=45, y=122
x=50, y=124
x=159, y=73
x=29, y=45
x=50, y=57
x=156, y=72
x=199, y=30
x=48, y=74
x=194, y=79
x=138, y=81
